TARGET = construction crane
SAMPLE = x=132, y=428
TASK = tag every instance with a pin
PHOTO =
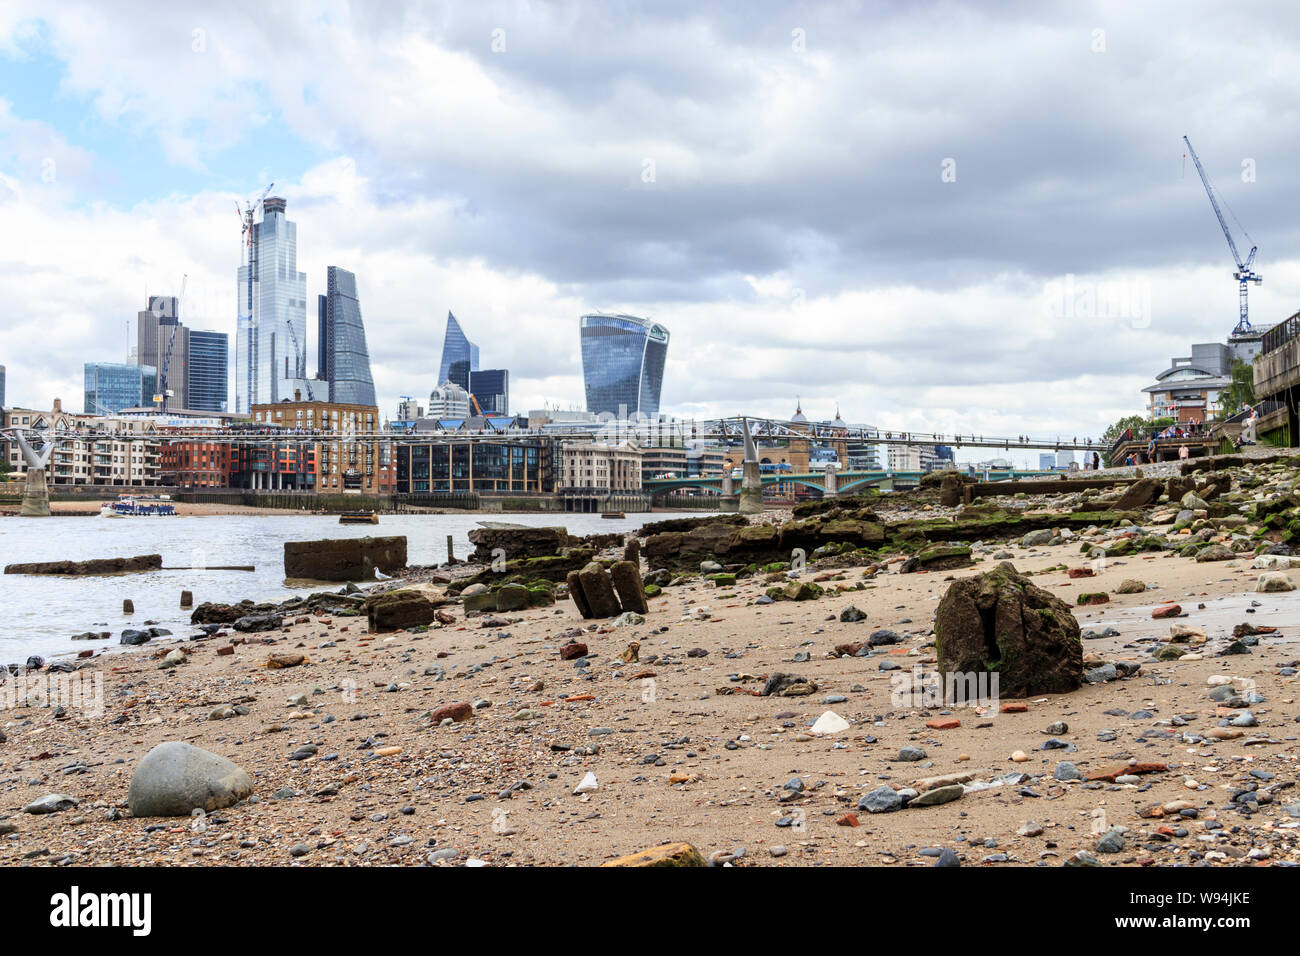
x=1244, y=275
x=163, y=394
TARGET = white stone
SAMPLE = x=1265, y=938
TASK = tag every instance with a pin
x=588, y=785
x=830, y=723
x=1271, y=581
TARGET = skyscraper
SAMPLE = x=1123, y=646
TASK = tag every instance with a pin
x=271, y=341
x=158, y=328
x=208, y=382
x=111, y=387
x=2, y=386
x=623, y=363
x=491, y=388
x=343, y=359
x=456, y=347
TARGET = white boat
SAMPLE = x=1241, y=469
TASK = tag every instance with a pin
x=138, y=506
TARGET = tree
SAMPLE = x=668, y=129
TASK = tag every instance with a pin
x=1242, y=390
x=1137, y=423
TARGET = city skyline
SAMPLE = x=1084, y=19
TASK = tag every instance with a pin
x=785, y=280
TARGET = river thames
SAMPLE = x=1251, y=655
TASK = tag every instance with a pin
x=40, y=613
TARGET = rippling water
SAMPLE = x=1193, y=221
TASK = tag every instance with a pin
x=39, y=614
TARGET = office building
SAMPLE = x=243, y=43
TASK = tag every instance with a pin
x=208, y=379
x=491, y=388
x=449, y=400
x=327, y=463
x=457, y=348
x=343, y=359
x=622, y=364
x=484, y=467
x=600, y=467
x=271, y=341
x=98, y=454
x=164, y=343
x=111, y=387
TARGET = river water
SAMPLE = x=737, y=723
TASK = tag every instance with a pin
x=40, y=613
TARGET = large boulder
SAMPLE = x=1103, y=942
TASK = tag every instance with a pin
x=1000, y=622
x=344, y=559
x=1143, y=492
x=176, y=778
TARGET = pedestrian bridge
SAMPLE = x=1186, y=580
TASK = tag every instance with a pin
x=844, y=482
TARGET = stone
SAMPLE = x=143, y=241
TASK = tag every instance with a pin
x=456, y=712
x=829, y=723
x=937, y=796
x=597, y=592
x=517, y=542
x=138, y=564
x=572, y=651
x=51, y=803
x=1131, y=586
x=911, y=754
x=1167, y=610
x=1140, y=494
x=588, y=784
x=1035, y=539
x=344, y=559
x=1101, y=675
x=511, y=597
x=1066, y=771
x=881, y=800
x=175, y=778
x=1273, y=581
x=399, y=610
x=1215, y=552
x=851, y=614
x=626, y=577
x=669, y=854
x=1111, y=842
x=999, y=620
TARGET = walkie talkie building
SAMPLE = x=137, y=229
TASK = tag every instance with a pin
x=623, y=364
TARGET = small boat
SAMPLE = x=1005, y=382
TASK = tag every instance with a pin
x=138, y=506
x=358, y=517
x=612, y=514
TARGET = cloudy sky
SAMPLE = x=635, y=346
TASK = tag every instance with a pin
x=903, y=209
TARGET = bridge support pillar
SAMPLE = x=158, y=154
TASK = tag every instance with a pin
x=831, y=488
x=36, y=495
x=751, y=489
x=728, y=485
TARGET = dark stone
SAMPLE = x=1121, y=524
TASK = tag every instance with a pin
x=517, y=543
x=1000, y=621
x=575, y=592
x=397, y=610
x=344, y=559
x=259, y=622
x=1143, y=492
x=598, y=591
x=627, y=582
x=144, y=562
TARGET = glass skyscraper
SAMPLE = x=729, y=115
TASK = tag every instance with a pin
x=456, y=347
x=343, y=359
x=209, y=371
x=271, y=341
x=111, y=387
x=623, y=364
x=491, y=388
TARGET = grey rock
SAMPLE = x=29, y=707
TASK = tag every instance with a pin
x=176, y=778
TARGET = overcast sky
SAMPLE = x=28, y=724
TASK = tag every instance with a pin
x=869, y=205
